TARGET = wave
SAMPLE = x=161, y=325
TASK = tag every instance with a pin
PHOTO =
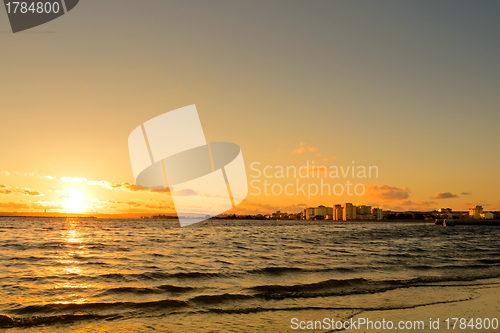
x=335, y=287
x=151, y=290
x=473, y=267
x=9, y=321
x=96, y=306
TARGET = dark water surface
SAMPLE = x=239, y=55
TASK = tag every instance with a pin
x=141, y=275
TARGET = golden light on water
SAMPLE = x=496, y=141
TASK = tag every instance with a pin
x=70, y=258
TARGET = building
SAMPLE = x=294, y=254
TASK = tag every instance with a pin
x=377, y=213
x=364, y=213
x=349, y=212
x=487, y=216
x=363, y=210
x=475, y=212
x=444, y=210
x=309, y=213
x=323, y=211
x=338, y=213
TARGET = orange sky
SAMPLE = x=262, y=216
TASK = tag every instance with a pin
x=409, y=88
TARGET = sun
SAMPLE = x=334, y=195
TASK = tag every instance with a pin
x=74, y=202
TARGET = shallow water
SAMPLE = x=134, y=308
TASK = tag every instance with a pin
x=119, y=275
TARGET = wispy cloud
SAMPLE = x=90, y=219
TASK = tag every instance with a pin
x=28, y=192
x=186, y=192
x=388, y=193
x=466, y=193
x=4, y=189
x=126, y=186
x=31, y=174
x=444, y=195
x=417, y=205
x=303, y=147
x=4, y=173
x=14, y=205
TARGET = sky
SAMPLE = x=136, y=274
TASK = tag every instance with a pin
x=410, y=87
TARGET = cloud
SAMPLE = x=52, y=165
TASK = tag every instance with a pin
x=50, y=177
x=425, y=203
x=74, y=180
x=303, y=148
x=126, y=187
x=159, y=207
x=466, y=193
x=13, y=205
x=386, y=192
x=4, y=173
x=29, y=192
x=186, y=192
x=472, y=204
x=418, y=205
x=444, y=195
x=41, y=204
x=4, y=189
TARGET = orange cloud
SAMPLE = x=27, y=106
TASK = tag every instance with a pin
x=186, y=192
x=13, y=205
x=29, y=192
x=388, y=193
x=126, y=187
x=303, y=148
x=418, y=205
x=4, y=189
x=444, y=195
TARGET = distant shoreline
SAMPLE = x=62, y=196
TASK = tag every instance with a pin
x=458, y=222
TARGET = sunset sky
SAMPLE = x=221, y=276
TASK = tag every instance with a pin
x=409, y=87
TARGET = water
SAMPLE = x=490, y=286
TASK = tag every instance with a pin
x=142, y=275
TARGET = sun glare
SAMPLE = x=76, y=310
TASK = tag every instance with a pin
x=74, y=202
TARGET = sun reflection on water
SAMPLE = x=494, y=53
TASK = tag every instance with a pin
x=69, y=262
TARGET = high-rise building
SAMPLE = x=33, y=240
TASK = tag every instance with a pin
x=321, y=211
x=349, y=211
x=475, y=212
x=338, y=213
x=310, y=213
x=364, y=213
x=377, y=213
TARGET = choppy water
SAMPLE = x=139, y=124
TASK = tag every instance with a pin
x=140, y=275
